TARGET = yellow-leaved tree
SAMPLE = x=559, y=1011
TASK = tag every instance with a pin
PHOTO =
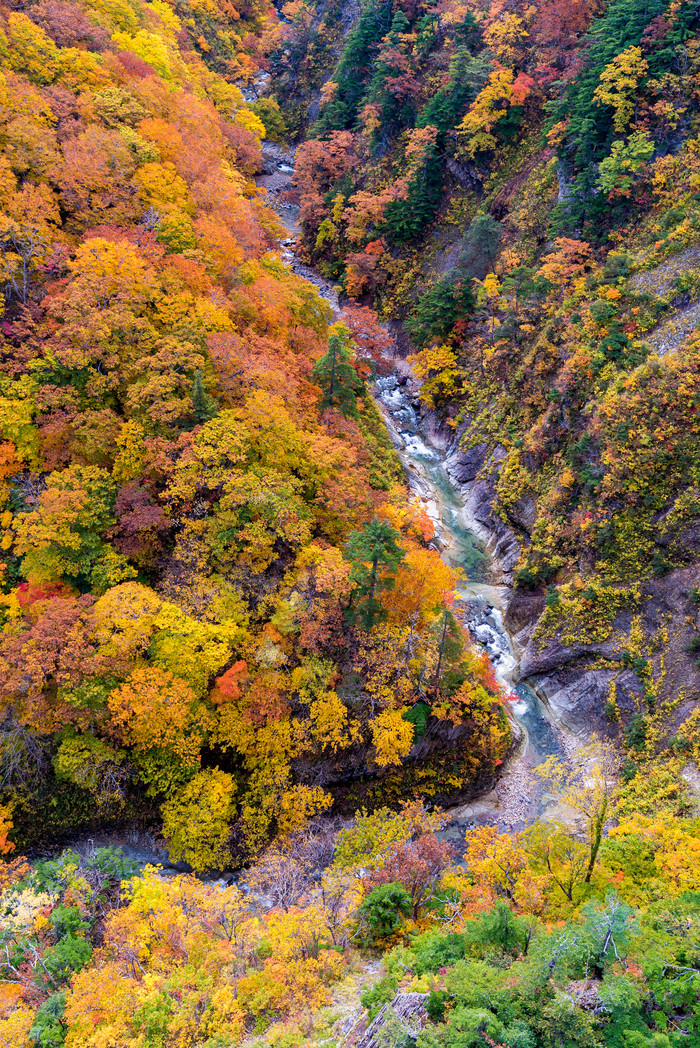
x=618, y=85
x=392, y=736
x=439, y=373
x=586, y=789
x=197, y=820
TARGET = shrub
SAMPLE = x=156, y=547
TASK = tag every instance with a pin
x=384, y=908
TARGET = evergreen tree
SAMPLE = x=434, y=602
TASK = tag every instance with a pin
x=336, y=376
x=408, y=219
x=480, y=247
x=351, y=72
x=369, y=550
x=447, y=300
x=203, y=406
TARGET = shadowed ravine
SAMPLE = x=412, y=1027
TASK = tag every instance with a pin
x=516, y=800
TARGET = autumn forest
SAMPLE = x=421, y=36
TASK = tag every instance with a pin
x=350, y=524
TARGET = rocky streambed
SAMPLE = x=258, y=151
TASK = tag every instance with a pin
x=467, y=543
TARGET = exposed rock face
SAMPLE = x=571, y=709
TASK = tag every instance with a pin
x=465, y=174
x=406, y=1012
x=575, y=680
x=524, y=609
x=577, y=696
x=352, y=772
x=474, y=470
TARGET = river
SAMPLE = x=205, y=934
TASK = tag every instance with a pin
x=516, y=800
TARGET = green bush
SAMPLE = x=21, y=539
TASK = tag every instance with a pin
x=69, y=955
x=384, y=908
x=48, y=1030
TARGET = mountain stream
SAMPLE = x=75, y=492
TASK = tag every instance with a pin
x=517, y=799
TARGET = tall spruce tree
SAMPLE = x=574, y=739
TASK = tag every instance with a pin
x=338, y=380
x=375, y=555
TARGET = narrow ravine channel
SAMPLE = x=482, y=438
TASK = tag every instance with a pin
x=515, y=801
x=481, y=603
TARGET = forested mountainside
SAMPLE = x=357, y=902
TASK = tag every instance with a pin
x=517, y=185
x=225, y=624
x=218, y=598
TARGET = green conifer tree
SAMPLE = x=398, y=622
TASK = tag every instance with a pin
x=370, y=550
x=203, y=406
x=338, y=380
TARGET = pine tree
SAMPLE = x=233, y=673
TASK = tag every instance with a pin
x=369, y=550
x=337, y=378
x=203, y=406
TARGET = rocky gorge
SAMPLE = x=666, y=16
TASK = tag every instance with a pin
x=570, y=683
x=455, y=488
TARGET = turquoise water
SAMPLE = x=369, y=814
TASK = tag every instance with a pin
x=461, y=549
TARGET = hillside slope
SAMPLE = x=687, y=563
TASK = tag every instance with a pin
x=220, y=613
x=515, y=186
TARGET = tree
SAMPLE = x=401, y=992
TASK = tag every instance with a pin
x=384, y=908
x=505, y=37
x=423, y=583
x=392, y=736
x=159, y=716
x=373, y=345
x=375, y=556
x=488, y=108
x=23, y=246
x=496, y=860
x=569, y=260
x=197, y=820
x=288, y=870
x=418, y=866
x=439, y=307
x=94, y=766
x=626, y=162
x=586, y=789
x=374, y=834
x=336, y=376
x=440, y=373
x=559, y=853
x=6, y=846
x=480, y=247
x=558, y=28
x=63, y=535
x=94, y=177
x=319, y=164
x=258, y=512
x=203, y=406
x=619, y=83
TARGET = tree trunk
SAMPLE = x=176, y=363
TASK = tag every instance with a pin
x=372, y=586
x=595, y=843
x=442, y=648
